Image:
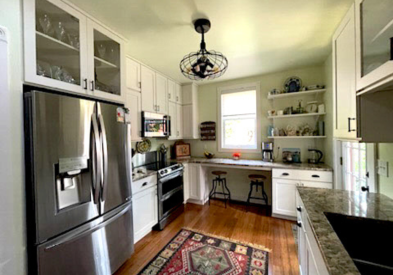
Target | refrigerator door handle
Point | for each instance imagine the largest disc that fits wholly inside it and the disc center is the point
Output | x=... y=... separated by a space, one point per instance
x=96 y=159
x=88 y=231
x=128 y=149
x=105 y=157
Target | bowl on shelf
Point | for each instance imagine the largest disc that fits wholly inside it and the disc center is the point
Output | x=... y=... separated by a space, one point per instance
x=208 y=155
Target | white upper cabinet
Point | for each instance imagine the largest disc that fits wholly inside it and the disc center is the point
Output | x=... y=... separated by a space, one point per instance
x=179 y=94
x=171 y=91
x=53 y=57
x=133 y=75
x=344 y=78
x=60 y=51
x=161 y=94
x=179 y=121
x=133 y=103
x=374 y=50
x=190 y=112
x=106 y=63
x=148 y=90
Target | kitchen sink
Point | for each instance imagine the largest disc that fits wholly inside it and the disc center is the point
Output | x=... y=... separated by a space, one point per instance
x=369 y=242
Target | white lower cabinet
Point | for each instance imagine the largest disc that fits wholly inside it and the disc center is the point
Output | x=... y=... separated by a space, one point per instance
x=198 y=191
x=284 y=188
x=310 y=258
x=145 y=207
x=186 y=183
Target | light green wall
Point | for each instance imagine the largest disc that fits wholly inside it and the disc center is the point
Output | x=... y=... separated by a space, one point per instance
x=385 y=184
x=328 y=98
x=207 y=95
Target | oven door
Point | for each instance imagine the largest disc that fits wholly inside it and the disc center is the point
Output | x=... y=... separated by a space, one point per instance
x=170 y=193
x=155 y=125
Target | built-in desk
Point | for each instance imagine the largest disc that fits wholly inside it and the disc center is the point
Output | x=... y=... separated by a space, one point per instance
x=281 y=180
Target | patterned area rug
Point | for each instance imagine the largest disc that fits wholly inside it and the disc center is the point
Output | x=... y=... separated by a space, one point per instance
x=194 y=253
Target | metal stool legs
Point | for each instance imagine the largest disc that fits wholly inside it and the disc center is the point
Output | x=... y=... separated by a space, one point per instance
x=264 y=195
x=225 y=191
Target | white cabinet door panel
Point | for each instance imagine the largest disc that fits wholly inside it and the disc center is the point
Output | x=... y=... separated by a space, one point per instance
x=284 y=197
x=344 y=77
x=133 y=103
x=179 y=122
x=133 y=75
x=171 y=91
x=145 y=212
x=148 y=79
x=161 y=94
x=194 y=181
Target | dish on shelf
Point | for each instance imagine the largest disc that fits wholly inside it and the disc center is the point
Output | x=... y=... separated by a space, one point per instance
x=293 y=84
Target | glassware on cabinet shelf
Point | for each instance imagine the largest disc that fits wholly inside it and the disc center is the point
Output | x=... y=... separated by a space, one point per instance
x=57 y=43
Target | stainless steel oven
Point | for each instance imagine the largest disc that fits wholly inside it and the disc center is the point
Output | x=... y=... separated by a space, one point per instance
x=155 y=125
x=170 y=194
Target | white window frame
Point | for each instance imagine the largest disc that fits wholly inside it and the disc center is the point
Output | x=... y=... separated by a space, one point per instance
x=233 y=89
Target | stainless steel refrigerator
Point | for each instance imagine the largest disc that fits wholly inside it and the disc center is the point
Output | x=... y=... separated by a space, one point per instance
x=78 y=185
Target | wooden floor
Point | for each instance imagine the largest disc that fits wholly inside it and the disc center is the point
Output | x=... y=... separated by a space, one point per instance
x=233 y=222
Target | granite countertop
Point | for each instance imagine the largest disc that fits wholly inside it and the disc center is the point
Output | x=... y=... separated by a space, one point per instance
x=260 y=163
x=359 y=204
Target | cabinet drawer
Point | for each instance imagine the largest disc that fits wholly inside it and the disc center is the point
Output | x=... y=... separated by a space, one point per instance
x=307 y=175
x=143 y=184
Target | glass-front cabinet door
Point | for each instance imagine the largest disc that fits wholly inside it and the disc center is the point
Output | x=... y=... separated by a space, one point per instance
x=55 y=45
x=105 y=62
x=375 y=41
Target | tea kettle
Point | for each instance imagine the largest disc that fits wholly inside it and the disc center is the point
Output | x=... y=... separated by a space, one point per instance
x=315 y=156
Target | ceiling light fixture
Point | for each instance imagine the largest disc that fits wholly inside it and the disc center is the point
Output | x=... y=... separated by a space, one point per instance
x=203 y=64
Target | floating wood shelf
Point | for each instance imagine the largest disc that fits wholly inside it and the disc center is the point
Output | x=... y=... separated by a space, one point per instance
x=295 y=137
x=297 y=115
x=296 y=94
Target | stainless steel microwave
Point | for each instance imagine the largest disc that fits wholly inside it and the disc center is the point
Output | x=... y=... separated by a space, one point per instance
x=155 y=125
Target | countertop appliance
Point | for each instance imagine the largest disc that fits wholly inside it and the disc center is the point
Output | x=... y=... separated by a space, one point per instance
x=78 y=185
x=155 y=125
x=267 y=151
x=315 y=156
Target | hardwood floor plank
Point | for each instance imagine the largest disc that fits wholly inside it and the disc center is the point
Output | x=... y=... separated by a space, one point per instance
x=232 y=222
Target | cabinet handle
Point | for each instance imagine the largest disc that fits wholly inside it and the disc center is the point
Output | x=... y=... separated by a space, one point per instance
x=315 y=176
x=158 y=108
x=92 y=85
x=285 y=174
x=349 y=125
x=177 y=99
x=144 y=184
x=299 y=224
x=139 y=84
x=169 y=96
x=85 y=83
x=299 y=209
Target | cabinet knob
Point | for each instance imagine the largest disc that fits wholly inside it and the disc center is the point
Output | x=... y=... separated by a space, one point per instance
x=144 y=184
x=299 y=224
x=299 y=209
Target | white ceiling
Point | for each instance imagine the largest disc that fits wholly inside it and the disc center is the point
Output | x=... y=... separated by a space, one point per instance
x=257 y=36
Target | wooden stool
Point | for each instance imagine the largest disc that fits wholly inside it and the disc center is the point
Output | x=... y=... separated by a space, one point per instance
x=257 y=180
x=221 y=182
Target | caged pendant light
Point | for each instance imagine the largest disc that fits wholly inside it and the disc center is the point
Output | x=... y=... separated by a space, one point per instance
x=203 y=64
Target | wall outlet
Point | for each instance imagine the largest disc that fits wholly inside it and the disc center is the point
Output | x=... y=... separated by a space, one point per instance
x=383 y=168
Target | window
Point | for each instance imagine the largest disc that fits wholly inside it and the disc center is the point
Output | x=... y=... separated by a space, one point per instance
x=238 y=119
x=354 y=165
